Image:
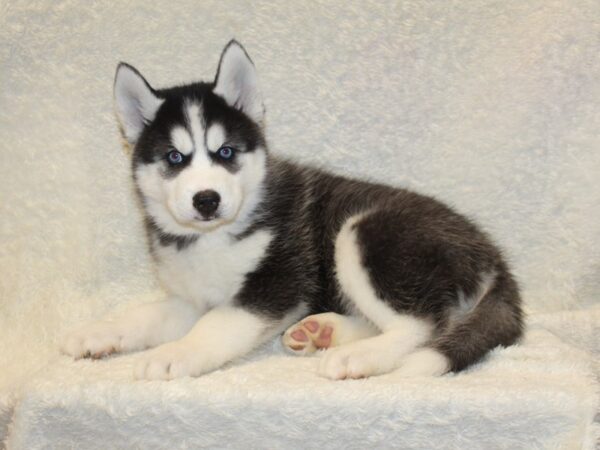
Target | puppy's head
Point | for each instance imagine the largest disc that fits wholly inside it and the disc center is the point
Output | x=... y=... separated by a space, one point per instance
x=199 y=155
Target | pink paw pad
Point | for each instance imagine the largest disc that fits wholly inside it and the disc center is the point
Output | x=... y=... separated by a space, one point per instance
x=300 y=335
x=309 y=336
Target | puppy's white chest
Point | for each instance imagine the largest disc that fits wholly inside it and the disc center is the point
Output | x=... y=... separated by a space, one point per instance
x=212 y=270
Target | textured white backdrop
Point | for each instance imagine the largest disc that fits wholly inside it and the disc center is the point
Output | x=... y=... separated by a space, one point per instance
x=491 y=106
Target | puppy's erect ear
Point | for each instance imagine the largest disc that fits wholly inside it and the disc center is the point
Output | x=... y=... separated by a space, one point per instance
x=237 y=82
x=136 y=101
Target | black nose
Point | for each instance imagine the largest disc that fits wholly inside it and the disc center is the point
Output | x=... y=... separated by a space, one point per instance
x=206 y=202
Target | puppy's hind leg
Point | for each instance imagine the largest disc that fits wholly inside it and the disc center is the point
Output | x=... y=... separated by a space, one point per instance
x=402 y=333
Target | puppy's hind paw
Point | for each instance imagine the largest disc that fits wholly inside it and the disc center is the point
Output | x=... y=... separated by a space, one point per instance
x=313 y=333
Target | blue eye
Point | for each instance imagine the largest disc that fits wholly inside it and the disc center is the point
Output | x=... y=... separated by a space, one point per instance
x=226 y=152
x=174 y=157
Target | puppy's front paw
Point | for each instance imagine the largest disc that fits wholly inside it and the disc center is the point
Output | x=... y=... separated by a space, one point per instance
x=95 y=341
x=169 y=361
x=100 y=339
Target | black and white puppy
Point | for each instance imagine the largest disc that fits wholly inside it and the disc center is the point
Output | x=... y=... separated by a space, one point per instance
x=249 y=246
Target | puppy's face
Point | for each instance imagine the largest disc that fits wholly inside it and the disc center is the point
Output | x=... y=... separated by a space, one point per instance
x=200 y=156
x=198 y=163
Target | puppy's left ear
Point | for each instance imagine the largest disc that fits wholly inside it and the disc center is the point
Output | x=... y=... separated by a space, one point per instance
x=237 y=82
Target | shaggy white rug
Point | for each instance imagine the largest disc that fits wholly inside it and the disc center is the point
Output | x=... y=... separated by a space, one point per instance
x=491 y=106
x=541 y=394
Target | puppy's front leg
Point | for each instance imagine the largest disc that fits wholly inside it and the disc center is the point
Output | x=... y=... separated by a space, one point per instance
x=220 y=336
x=139 y=328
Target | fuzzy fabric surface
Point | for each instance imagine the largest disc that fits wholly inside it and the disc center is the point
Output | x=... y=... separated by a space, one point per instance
x=538 y=395
x=493 y=107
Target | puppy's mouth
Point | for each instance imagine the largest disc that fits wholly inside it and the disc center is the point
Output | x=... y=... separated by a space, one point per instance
x=204 y=223
x=212 y=217
x=209 y=223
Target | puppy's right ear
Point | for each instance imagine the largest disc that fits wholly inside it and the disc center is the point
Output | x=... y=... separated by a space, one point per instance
x=136 y=101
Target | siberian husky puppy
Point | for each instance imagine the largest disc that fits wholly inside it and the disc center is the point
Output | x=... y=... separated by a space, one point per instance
x=248 y=246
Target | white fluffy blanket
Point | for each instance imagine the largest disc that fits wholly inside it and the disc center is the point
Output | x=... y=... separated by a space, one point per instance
x=541 y=394
x=491 y=106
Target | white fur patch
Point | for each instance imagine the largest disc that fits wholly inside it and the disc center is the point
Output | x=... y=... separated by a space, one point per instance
x=181 y=140
x=425 y=362
x=196 y=125
x=215 y=137
x=251 y=178
x=212 y=270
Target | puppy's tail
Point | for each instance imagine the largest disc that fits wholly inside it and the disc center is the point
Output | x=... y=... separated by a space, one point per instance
x=496 y=319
